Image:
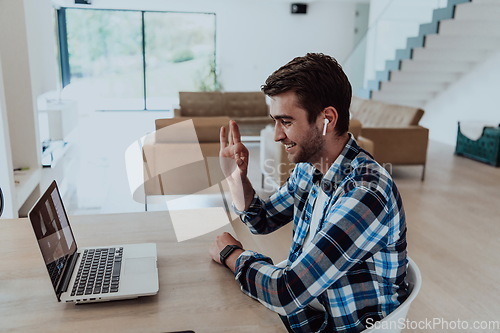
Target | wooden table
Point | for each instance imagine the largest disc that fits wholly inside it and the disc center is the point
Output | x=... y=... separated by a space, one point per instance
x=195 y=293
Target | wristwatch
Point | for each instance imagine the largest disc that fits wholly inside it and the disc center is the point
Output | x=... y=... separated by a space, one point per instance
x=226 y=252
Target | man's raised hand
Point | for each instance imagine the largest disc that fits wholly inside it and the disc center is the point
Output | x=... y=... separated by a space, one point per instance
x=233 y=154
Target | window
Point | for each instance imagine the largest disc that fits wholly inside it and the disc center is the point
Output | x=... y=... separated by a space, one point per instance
x=180 y=54
x=136 y=60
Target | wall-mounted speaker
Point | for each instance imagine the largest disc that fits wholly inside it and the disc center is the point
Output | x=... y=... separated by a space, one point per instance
x=83 y=2
x=299 y=8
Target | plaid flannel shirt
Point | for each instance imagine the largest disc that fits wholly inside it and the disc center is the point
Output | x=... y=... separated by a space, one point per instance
x=356 y=264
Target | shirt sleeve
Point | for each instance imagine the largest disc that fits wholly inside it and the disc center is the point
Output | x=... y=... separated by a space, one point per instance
x=266 y=216
x=355 y=227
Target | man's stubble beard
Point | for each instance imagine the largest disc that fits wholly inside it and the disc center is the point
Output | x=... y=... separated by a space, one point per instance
x=311 y=150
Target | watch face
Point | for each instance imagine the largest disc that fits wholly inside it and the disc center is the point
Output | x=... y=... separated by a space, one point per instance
x=226 y=251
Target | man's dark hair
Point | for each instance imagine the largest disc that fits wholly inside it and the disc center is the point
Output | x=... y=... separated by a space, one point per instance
x=319 y=82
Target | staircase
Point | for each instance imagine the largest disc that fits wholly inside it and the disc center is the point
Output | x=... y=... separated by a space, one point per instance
x=459 y=37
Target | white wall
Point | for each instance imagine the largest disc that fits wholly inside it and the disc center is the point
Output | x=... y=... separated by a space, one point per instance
x=17 y=82
x=29 y=59
x=29 y=68
x=255 y=37
x=6 y=175
x=42 y=45
x=267 y=36
x=475 y=96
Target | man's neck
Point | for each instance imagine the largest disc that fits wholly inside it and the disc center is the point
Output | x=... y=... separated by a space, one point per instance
x=331 y=153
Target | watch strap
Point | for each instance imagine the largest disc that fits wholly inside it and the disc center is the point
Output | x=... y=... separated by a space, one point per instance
x=226 y=252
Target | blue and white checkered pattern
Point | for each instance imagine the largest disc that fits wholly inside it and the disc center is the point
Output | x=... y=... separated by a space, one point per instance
x=356 y=264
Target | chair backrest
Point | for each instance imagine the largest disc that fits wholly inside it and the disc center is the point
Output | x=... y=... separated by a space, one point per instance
x=379 y=114
x=245 y=104
x=207 y=130
x=392 y=323
x=201 y=103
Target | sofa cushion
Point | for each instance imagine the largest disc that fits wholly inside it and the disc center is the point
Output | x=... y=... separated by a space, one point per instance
x=378 y=114
x=245 y=104
x=201 y=104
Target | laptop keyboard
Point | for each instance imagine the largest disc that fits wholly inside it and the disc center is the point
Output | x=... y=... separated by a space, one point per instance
x=99 y=272
x=55 y=267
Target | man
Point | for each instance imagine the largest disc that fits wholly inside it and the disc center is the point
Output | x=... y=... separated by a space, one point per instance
x=347 y=261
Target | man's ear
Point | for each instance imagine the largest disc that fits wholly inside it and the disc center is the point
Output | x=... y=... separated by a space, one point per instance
x=332 y=115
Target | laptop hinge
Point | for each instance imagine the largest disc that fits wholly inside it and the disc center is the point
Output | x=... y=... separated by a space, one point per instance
x=63 y=286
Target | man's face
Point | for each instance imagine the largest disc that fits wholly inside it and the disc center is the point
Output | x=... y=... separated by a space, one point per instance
x=303 y=141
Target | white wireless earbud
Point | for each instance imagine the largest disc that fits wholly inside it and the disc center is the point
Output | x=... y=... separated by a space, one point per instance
x=326 y=121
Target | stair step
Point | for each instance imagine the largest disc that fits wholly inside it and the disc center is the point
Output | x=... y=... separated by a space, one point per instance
x=442 y=14
x=412 y=87
x=393 y=65
x=408 y=95
x=383 y=75
x=469 y=28
x=423 y=77
x=363 y=93
x=402 y=98
x=414 y=42
x=465 y=54
x=373 y=85
x=456 y=2
x=402 y=101
x=478 y=11
x=436 y=66
x=402 y=54
x=405 y=99
x=485 y=1
x=428 y=29
x=462 y=42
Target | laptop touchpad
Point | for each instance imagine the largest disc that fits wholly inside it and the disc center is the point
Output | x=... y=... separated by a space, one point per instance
x=140 y=265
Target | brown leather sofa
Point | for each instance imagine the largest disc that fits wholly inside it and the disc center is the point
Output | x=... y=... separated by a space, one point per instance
x=249 y=109
x=394 y=130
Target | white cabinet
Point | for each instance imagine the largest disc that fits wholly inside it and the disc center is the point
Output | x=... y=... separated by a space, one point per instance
x=58 y=121
x=61 y=116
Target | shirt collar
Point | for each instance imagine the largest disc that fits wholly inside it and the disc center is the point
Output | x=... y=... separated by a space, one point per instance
x=340 y=168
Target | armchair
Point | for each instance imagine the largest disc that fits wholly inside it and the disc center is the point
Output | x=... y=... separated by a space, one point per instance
x=181 y=160
x=394 y=130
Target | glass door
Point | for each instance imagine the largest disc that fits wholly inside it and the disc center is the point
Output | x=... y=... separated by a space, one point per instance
x=105 y=57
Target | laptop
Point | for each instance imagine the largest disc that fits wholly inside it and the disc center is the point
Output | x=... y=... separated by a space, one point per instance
x=87 y=275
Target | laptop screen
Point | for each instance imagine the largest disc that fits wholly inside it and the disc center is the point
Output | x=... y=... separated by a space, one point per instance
x=53 y=233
